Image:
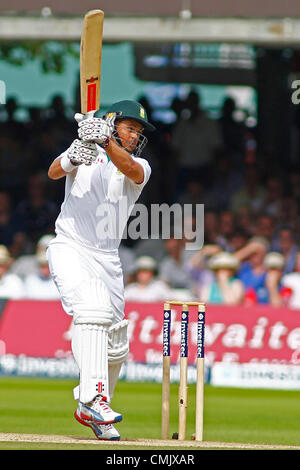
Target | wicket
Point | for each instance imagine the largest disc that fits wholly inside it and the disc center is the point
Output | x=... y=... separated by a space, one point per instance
x=183 y=389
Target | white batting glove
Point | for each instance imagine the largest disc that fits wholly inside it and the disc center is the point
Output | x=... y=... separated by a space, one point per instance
x=82 y=152
x=96 y=130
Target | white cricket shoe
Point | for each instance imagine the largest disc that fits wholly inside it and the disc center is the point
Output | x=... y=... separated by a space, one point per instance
x=104 y=432
x=99 y=412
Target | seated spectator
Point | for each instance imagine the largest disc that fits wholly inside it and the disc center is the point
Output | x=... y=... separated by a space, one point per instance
x=225 y=181
x=291 y=286
x=265 y=227
x=211 y=228
x=285 y=244
x=197 y=267
x=252 y=271
x=238 y=239
x=251 y=194
x=172 y=268
x=27 y=264
x=146 y=288
x=274 y=263
x=11 y=234
x=194 y=192
x=12 y=127
x=37 y=213
x=294 y=185
x=226 y=288
x=274 y=195
x=288 y=212
x=12 y=164
x=40 y=286
x=246 y=220
x=127 y=258
x=226 y=227
x=11 y=286
x=153 y=247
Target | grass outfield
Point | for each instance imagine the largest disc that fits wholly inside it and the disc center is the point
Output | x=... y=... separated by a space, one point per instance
x=46 y=407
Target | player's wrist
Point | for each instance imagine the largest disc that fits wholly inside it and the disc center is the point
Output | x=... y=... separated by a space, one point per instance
x=67 y=164
x=105 y=143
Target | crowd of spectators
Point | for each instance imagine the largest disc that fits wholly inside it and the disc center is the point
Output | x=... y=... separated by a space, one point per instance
x=251 y=250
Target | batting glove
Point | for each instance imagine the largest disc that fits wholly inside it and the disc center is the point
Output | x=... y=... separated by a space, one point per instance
x=97 y=130
x=82 y=152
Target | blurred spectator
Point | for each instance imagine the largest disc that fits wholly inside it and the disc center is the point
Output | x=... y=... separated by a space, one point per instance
x=212 y=235
x=265 y=227
x=274 y=263
x=194 y=141
x=294 y=186
x=246 y=219
x=233 y=132
x=238 y=239
x=28 y=264
x=57 y=123
x=11 y=234
x=252 y=271
x=146 y=288
x=274 y=194
x=12 y=164
x=128 y=262
x=218 y=228
x=57 y=133
x=285 y=244
x=251 y=194
x=226 y=288
x=36 y=213
x=41 y=149
x=155 y=248
x=12 y=128
x=227 y=228
x=40 y=285
x=177 y=107
x=225 y=181
x=172 y=268
x=11 y=286
x=194 y=193
x=288 y=212
x=35 y=123
x=198 y=270
x=291 y=286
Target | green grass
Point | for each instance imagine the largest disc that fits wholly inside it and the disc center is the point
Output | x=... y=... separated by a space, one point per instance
x=46 y=406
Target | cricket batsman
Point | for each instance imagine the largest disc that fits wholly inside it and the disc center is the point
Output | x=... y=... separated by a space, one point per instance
x=104 y=174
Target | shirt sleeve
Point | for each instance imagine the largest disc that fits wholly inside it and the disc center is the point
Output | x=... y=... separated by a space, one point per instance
x=147 y=172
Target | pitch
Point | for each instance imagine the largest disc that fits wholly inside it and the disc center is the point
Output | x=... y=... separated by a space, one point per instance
x=38 y=414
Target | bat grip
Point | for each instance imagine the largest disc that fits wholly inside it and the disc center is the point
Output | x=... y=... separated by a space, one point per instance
x=81 y=117
x=89 y=114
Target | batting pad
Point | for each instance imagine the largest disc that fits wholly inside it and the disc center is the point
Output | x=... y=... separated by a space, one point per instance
x=118 y=344
x=92 y=319
x=118 y=349
x=89 y=346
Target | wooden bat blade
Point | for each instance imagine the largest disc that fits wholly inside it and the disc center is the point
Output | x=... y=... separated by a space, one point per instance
x=90 y=60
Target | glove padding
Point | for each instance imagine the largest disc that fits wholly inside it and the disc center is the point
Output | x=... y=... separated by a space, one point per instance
x=82 y=152
x=97 y=130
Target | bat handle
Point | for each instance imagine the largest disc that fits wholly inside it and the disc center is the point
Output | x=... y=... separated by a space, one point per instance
x=80 y=117
x=89 y=114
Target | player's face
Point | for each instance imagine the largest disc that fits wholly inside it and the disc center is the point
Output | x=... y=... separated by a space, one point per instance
x=129 y=132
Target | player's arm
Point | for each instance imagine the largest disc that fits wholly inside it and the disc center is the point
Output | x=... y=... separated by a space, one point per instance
x=56 y=171
x=77 y=154
x=124 y=162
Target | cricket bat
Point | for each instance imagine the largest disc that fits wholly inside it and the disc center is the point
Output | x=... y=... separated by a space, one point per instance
x=90 y=61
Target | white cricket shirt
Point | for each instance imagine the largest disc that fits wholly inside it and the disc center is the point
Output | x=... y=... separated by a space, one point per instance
x=98 y=202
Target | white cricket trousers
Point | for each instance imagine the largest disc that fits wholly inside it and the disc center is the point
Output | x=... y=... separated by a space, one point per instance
x=71 y=263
